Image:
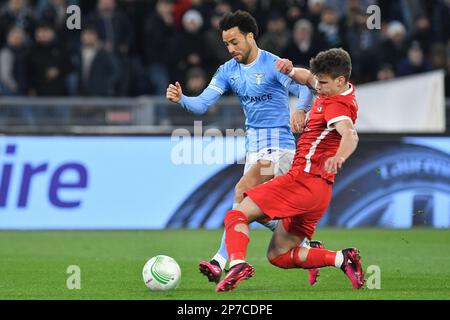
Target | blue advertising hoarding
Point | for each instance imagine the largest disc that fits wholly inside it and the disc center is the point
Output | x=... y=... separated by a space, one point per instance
x=93 y=182
x=156 y=182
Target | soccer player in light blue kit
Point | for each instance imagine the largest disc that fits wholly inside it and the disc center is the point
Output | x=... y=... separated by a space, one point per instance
x=264 y=94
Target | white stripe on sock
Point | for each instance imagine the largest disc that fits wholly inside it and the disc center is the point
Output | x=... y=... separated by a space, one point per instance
x=221 y=260
x=339 y=260
x=235 y=262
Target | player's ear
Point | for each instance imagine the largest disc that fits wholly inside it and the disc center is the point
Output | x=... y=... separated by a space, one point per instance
x=340 y=81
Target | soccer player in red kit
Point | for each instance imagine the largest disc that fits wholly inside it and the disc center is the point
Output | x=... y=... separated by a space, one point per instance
x=300 y=197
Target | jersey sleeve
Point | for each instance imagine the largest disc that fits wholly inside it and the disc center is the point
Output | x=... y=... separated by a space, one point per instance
x=201 y=103
x=304 y=95
x=336 y=112
x=216 y=88
x=283 y=79
x=302 y=92
x=219 y=81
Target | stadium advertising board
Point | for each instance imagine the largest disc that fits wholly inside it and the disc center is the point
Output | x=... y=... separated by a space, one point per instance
x=157 y=182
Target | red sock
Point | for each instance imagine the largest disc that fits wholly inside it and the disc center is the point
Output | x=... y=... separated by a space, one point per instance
x=235 y=241
x=316 y=258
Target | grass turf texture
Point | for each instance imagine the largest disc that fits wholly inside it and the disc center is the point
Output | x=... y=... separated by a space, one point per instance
x=415 y=264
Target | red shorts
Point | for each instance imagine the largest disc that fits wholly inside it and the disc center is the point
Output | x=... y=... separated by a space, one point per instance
x=299 y=198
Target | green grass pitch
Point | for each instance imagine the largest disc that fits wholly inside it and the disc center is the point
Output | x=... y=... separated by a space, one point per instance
x=414 y=264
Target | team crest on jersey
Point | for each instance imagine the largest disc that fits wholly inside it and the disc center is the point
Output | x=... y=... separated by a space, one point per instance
x=319 y=108
x=258 y=77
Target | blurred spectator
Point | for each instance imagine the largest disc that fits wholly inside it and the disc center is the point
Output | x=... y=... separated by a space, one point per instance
x=352 y=15
x=15 y=13
x=258 y=9
x=423 y=33
x=196 y=81
x=360 y=42
x=386 y=72
x=97 y=70
x=394 y=47
x=215 y=51
x=54 y=13
x=343 y=7
x=329 y=26
x=414 y=63
x=292 y=10
x=13 y=70
x=296 y=29
x=205 y=8
x=438 y=56
x=113 y=27
x=277 y=36
x=187 y=46
x=49 y=64
x=394 y=11
x=158 y=33
x=222 y=7
x=305 y=43
x=136 y=12
x=179 y=9
x=315 y=10
x=441 y=20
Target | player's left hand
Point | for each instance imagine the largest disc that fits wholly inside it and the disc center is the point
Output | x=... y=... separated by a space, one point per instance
x=298 y=119
x=333 y=164
x=284 y=65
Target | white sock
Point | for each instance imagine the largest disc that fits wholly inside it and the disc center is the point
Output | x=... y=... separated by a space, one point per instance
x=221 y=260
x=339 y=260
x=235 y=205
x=235 y=262
x=305 y=243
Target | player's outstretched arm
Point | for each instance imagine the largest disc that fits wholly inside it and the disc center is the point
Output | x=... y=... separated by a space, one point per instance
x=300 y=75
x=174 y=92
x=349 y=142
x=199 y=104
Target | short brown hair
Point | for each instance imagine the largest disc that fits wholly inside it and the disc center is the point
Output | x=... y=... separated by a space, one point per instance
x=335 y=62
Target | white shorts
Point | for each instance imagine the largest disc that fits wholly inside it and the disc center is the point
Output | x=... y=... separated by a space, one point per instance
x=282 y=159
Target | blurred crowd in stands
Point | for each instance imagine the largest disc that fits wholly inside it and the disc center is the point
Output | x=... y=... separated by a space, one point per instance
x=128 y=48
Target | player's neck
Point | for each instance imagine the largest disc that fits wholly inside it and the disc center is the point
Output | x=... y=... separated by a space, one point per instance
x=253 y=55
x=343 y=89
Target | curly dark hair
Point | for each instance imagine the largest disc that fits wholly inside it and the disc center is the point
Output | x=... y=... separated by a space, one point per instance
x=335 y=62
x=241 y=19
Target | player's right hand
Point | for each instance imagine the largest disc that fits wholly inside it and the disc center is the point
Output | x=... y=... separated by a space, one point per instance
x=333 y=164
x=174 y=92
x=284 y=65
x=298 y=120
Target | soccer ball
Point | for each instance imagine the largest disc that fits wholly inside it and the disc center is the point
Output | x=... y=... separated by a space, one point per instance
x=161 y=273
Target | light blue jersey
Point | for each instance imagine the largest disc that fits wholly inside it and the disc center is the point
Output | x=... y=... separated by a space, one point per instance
x=264 y=94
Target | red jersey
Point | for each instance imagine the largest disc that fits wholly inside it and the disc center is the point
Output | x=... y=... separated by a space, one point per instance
x=320 y=140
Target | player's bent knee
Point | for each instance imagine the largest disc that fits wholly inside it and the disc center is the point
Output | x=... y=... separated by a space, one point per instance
x=244 y=185
x=272 y=253
x=239 y=190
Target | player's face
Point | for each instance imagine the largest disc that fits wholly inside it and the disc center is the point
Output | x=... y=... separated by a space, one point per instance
x=238 y=45
x=327 y=86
